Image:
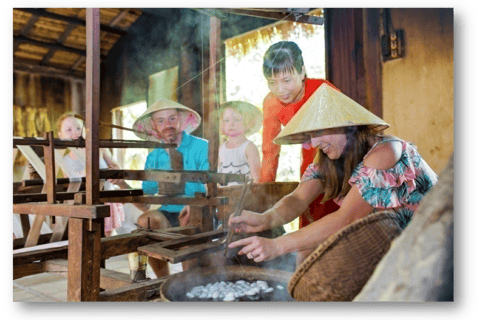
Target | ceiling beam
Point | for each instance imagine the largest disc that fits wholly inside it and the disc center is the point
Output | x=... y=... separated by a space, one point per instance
x=112 y=23
x=55 y=46
x=60 y=40
x=23 y=65
x=25 y=30
x=293 y=16
x=78 y=21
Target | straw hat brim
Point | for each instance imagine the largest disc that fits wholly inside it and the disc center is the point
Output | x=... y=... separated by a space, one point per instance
x=327 y=108
x=247 y=108
x=189 y=119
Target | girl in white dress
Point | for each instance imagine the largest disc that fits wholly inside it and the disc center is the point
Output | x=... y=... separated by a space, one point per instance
x=238 y=154
x=70 y=128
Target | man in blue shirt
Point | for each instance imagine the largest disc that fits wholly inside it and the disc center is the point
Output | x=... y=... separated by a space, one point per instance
x=170 y=122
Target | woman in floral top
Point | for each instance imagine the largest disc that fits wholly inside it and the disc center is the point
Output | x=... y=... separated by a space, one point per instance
x=358 y=168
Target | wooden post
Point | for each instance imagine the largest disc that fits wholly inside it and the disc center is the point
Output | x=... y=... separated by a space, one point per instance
x=83 y=259
x=49 y=155
x=84 y=235
x=92 y=107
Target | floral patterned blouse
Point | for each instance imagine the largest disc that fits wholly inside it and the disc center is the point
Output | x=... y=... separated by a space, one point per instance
x=399 y=188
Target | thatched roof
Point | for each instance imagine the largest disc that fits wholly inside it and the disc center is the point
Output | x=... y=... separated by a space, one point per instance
x=55 y=38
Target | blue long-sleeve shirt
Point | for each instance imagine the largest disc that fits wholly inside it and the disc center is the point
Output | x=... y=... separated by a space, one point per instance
x=195 y=157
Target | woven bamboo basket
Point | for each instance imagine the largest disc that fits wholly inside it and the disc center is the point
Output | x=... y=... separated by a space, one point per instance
x=339 y=268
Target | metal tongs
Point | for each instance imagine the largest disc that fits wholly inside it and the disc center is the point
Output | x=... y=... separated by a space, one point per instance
x=246 y=188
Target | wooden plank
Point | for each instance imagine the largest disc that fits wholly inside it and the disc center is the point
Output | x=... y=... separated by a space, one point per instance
x=59 y=143
x=57 y=250
x=70 y=194
x=84 y=260
x=92 y=109
x=126 y=243
x=25 y=270
x=195 y=201
x=174 y=250
x=77 y=211
x=110 y=247
x=175 y=256
x=109 y=279
x=123 y=244
x=34 y=233
x=34 y=160
x=134 y=292
x=172 y=176
x=43 y=239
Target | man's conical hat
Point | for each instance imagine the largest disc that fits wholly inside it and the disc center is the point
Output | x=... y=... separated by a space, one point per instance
x=327 y=108
x=189 y=119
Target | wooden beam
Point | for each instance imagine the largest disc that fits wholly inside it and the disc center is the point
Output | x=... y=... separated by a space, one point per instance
x=23 y=65
x=109 y=279
x=78 y=21
x=62 y=196
x=193 y=201
x=31 y=22
x=134 y=292
x=110 y=246
x=284 y=16
x=25 y=270
x=80 y=143
x=51 y=45
x=84 y=258
x=64 y=210
x=49 y=251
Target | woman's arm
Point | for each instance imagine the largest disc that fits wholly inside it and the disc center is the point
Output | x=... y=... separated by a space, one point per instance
x=253 y=159
x=308 y=238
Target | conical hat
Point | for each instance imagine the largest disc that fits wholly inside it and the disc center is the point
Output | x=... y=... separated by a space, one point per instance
x=189 y=119
x=327 y=108
x=246 y=108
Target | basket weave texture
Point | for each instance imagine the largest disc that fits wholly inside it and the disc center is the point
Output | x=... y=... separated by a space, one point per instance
x=339 y=268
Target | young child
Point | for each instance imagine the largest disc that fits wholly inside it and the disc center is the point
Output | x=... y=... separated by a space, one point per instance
x=237 y=154
x=69 y=127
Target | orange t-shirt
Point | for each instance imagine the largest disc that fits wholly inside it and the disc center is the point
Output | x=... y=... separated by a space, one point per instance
x=276 y=114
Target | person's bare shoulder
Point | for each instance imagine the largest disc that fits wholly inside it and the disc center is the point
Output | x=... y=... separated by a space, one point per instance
x=384 y=155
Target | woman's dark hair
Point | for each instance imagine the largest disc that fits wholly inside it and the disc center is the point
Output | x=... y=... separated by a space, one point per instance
x=282 y=57
x=336 y=173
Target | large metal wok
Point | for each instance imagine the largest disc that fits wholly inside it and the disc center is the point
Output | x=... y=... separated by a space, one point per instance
x=176 y=287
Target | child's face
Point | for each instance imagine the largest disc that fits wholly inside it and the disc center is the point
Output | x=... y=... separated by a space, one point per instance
x=232 y=123
x=71 y=129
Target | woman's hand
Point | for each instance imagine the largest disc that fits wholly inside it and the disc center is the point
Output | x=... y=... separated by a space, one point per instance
x=249 y=222
x=257 y=248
